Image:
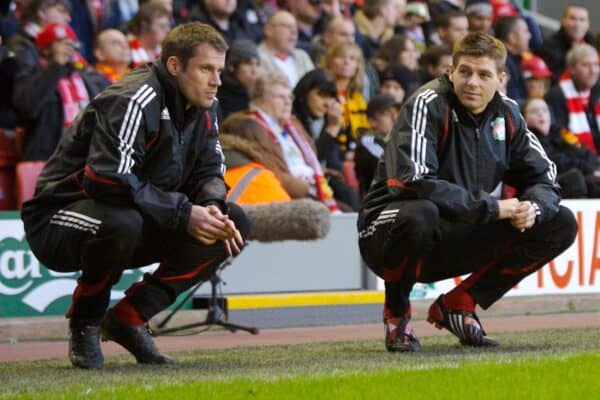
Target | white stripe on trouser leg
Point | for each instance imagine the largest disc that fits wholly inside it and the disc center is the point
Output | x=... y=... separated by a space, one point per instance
x=81 y=216
x=75 y=221
x=74 y=225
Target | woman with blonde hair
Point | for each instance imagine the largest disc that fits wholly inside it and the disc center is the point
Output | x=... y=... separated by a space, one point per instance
x=345 y=63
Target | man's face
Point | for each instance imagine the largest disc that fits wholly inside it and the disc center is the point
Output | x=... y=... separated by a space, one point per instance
x=475 y=80
x=247 y=72
x=113 y=48
x=199 y=81
x=522 y=36
x=537 y=87
x=537 y=115
x=159 y=28
x=306 y=11
x=458 y=28
x=390 y=12
x=56 y=13
x=392 y=88
x=221 y=8
x=442 y=67
x=281 y=33
x=383 y=121
x=480 y=23
x=585 y=72
x=342 y=30
x=576 y=23
x=277 y=102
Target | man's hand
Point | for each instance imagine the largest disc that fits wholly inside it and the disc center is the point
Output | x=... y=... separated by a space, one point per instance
x=524 y=216
x=209 y=224
x=507 y=208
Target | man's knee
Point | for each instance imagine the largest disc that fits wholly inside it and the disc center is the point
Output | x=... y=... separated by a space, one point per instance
x=417 y=222
x=116 y=241
x=565 y=227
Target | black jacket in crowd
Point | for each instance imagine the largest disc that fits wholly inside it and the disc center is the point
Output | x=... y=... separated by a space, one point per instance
x=369 y=148
x=138 y=145
x=232 y=95
x=441 y=152
x=566 y=155
x=554 y=51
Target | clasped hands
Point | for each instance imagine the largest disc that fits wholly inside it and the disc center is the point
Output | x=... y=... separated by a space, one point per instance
x=208 y=225
x=520 y=213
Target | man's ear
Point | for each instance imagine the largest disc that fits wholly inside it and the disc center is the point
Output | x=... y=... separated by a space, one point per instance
x=502 y=77
x=174 y=66
x=99 y=55
x=450 y=71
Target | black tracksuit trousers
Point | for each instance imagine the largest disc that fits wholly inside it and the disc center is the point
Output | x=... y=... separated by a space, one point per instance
x=409 y=242
x=102 y=240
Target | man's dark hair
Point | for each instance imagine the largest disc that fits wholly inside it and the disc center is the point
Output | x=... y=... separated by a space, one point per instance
x=573 y=5
x=477 y=44
x=433 y=54
x=33 y=6
x=372 y=7
x=182 y=41
x=142 y=20
x=444 y=20
x=504 y=26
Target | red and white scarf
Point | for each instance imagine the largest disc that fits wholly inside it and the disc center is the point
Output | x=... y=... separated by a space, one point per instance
x=577 y=104
x=74 y=97
x=323 y=190
x=139 y=55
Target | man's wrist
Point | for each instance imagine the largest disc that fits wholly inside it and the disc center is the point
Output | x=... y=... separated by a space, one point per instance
x=538 y=211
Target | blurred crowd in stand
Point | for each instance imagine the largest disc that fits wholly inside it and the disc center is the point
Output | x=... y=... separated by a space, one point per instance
x=310 y=88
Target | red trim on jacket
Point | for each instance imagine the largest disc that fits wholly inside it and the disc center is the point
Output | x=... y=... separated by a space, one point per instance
x=397 y=183
x=95 y=177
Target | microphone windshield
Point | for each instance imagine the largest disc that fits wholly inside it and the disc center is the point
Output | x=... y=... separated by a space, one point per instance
x=299 y=219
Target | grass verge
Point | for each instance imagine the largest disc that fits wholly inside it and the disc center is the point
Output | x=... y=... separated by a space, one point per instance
x=537 y=364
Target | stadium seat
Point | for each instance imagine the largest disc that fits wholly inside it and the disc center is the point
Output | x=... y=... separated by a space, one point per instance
x=27 y=174
x=349 y=174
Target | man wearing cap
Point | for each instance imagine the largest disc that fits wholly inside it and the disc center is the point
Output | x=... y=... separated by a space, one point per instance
x=431 y=213
x=49 y=96
x=536 y=74
x=138 y=179
x=36 y=15
x=381 y=112
x=241 y=68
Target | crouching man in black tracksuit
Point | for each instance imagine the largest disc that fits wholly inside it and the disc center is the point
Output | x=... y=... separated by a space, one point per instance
x=430 y=213
x=138 y=179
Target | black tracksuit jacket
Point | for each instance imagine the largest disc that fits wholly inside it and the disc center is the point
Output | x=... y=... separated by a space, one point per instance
x=137 y=144
x=439 y=151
